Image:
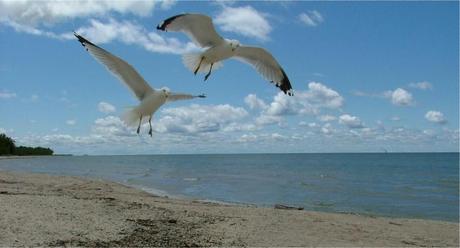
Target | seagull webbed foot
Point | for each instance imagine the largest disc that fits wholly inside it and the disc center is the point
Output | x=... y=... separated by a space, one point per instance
x=198 y=67
x=209 y=73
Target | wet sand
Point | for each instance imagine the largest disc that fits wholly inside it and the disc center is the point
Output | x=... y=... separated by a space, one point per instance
x=44 y=210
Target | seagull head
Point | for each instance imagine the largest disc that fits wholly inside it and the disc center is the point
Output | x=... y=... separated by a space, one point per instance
x=165 y=91
x=234 y=44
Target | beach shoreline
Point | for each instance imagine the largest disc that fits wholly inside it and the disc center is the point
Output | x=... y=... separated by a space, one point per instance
x=45 y=210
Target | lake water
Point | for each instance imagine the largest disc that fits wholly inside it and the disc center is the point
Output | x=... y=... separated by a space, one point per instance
x=412 y=185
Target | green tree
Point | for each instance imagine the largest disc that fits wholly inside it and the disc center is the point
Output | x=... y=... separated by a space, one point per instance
x=7 y=146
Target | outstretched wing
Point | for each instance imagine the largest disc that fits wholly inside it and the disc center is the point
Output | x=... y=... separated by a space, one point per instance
x=199 y=28
x=122 y=70
x=179 y=96
x=266 y=65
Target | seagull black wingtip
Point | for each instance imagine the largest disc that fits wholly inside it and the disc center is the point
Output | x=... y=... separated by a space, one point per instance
x=162 y=26
x=286 y=84
x=82 y=40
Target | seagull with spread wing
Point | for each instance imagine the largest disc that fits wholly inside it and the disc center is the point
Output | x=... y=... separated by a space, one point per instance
x=150 y=99
x=200 y=29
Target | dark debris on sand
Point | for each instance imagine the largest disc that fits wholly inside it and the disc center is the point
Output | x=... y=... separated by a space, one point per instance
x=167 y=232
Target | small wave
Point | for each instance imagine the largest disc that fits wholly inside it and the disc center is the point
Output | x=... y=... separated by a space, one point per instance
x=190 y=179
x=157 y=192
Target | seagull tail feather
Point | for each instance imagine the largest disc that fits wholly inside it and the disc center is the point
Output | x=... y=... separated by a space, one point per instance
x=192 y=60
x=131 y=116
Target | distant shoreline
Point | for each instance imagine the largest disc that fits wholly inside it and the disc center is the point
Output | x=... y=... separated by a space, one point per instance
x=33 y=156
x=217 y=154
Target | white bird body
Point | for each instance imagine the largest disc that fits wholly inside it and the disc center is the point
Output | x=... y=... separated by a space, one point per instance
x=150 y=99
x=219 y=52
x=147 y=107
x=200 y=30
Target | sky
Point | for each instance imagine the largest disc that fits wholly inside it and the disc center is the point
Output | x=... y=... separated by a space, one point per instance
x=367 y=77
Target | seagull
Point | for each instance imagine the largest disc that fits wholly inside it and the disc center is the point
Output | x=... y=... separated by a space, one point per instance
x=150 y=99
x=200 y=29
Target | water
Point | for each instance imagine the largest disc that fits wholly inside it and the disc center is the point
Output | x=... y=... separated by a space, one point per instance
x=411 y=185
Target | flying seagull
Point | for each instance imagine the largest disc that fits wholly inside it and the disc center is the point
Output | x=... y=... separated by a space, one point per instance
x=200 y=29
x=150 y=98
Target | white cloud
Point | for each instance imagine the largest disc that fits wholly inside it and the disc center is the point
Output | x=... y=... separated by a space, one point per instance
x=27 y=17
x=306 y=102
x=285 y=105
x=264 y=119
x=196 y=118
x=350 y=121
x=132 y=33
x=312 y=18
x=71 y=122
x=424 y=85
x=22 y=28
x=106 y=108
x=4 y=94
x=400 y=97
x=245 y=21
x=322 y=96
x=254 y=103
x=247 y=138
x=34 y=13
x=435 y=116
x=395 y=118
x=326 y=118
x=111 y=126
x=327 y=129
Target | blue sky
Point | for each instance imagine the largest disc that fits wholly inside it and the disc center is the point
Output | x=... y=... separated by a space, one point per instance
x=368 y=77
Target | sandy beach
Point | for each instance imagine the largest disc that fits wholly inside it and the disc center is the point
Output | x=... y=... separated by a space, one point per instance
x=44 y=210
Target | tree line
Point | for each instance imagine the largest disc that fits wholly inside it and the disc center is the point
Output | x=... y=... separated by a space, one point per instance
x=8 y=147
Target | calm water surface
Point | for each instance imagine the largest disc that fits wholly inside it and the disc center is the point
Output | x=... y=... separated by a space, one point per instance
x=412 y=185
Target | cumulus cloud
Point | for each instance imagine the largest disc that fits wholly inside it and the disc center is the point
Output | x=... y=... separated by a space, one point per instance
x=424 y=85
x=4 y=94
x=196 y=118
x=400 y=97
x=322 y=96
x=435 y=116
x=326 y=118
x=254 y=103
x=28 y=17
x=245 y=21
x=111 y=126
x=306 y=102
x=350 y=121
x=264 y=120
x=287 y=105
x=106 y=107
x=133 y=33
x=312 y=18
x=34 y=13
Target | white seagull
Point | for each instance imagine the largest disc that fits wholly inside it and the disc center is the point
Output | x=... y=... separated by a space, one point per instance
x=200 y=29
x=150 y=99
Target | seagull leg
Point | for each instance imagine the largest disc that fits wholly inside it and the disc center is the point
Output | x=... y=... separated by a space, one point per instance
x=196 y=70
x=139 y=127
x=150 y=123
x=209 y=73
